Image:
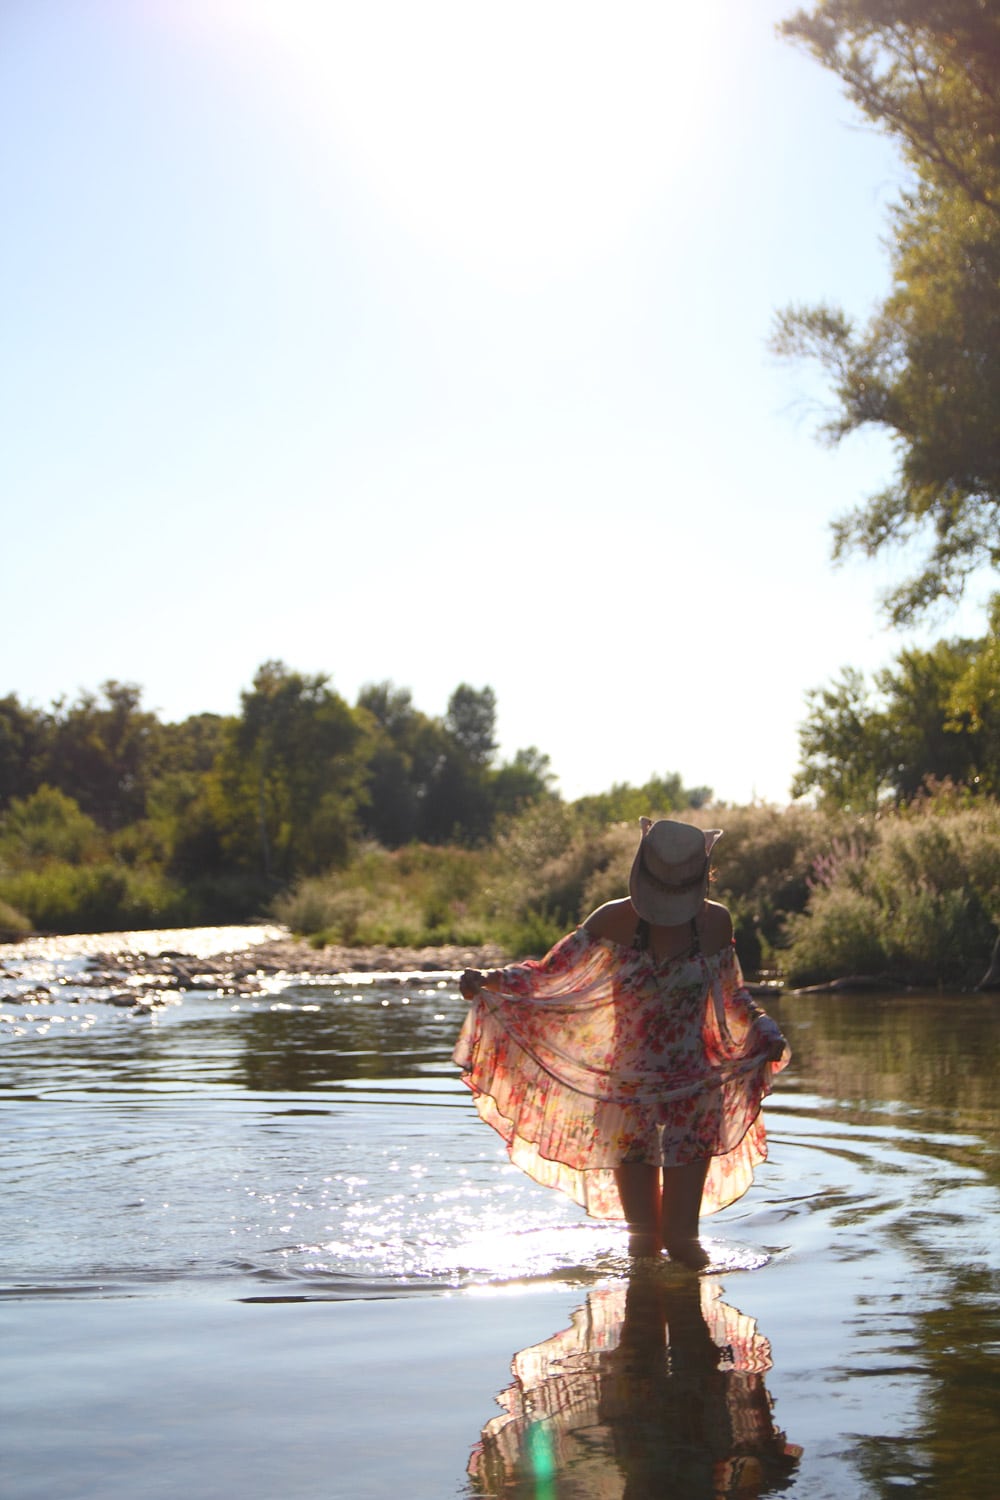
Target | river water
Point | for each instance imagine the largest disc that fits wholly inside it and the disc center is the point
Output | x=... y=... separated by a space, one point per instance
x=261 y=1245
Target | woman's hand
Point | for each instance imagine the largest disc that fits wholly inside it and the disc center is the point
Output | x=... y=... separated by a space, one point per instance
x=471 y=983
x=771 y=1037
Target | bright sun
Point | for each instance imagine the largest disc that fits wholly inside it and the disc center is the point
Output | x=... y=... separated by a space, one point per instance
x=511 y=137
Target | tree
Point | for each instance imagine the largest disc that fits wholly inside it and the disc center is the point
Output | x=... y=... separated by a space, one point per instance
x=519 y=782
x=24 y=742
x=934 y=717
x=390 y=706
x=103 y=752
x=48 y=825
x=390 y=811
x=975 y=703
x=471 y=721
x=289 y=781
x=926 y=367
x=845 y=744
x=625 y=803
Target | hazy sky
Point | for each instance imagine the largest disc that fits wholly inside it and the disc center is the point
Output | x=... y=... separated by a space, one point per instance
x=427 y=341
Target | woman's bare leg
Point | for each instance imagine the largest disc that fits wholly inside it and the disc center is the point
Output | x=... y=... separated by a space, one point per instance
x=639 y=1190
x=679 y=1209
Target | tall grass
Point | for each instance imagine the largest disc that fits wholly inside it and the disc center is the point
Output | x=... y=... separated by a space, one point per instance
x=418 y=896
x=920 y=902
x=93 y=898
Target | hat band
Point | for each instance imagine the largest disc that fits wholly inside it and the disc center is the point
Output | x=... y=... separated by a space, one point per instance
x=673 y=888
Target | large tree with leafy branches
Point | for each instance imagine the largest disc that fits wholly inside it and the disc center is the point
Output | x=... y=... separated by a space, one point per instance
x=925 y=368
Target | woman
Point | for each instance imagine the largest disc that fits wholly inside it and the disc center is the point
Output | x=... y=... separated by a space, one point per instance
x=627 y=1067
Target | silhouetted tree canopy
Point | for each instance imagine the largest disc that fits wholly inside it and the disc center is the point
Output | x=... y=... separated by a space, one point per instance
x=925 y=367
x=932 y=717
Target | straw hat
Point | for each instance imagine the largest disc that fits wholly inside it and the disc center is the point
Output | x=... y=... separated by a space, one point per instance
x=669 y=878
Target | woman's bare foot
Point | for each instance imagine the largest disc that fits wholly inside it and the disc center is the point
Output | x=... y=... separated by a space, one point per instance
x=687 y=1253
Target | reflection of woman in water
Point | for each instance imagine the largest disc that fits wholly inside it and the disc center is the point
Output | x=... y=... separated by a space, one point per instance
x=628 y=1066
x=657 y=1389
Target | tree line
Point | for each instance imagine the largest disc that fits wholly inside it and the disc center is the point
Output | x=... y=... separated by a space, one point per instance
x=106 y=809
x=284 y=786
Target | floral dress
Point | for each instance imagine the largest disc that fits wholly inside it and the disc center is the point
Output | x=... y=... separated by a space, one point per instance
x=599 y=1055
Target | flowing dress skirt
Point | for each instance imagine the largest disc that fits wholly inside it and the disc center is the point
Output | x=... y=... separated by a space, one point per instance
x=597 y=1055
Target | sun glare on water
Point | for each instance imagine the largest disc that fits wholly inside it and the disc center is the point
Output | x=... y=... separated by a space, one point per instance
x=512 y=138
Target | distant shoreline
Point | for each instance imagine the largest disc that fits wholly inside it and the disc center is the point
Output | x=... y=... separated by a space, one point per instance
x=291 y=955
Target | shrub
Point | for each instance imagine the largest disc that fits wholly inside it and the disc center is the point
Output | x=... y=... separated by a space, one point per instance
x=411 y=897
x=547 y=862
x=14 y=925
x=94 y=898
x=839 y=936
x=920 y=898
x=532 y=936
x=48 y=825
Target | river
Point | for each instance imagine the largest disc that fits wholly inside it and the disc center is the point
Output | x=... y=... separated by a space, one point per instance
x=260 y=1244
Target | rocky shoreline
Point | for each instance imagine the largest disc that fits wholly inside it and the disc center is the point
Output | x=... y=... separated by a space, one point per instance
x=295 y=956
x=127 y=973
x=154 y=978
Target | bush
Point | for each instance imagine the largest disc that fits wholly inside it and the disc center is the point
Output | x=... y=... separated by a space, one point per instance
x=411 y=897
x=48 y=825
x=93 y=898
x=546 y=864
x=14 y=925
x=532 y=936
x=839 y=936
x=919 y=898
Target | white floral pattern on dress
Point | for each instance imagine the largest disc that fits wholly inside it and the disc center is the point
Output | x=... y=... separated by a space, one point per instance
x=596 y=1055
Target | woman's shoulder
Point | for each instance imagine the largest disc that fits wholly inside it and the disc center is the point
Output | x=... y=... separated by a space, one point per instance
x=615 y=920
x=715 y=928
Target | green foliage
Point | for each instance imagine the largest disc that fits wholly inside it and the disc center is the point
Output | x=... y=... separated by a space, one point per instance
x=94 y=898
x=286 y=785
x=934 y=717
x=839 y=937
x=420 y=895
x=765 y=864
x=103 y=751
x=974 y=705
x=47 y=825
x=237 y=808
x=433 y=781
x=517 y=783
x=277 y=800
x=24 y=737
x=471 y=722
x=14 y=925
x=920 y=900
x=544 y=858
x=657 y=798
x=846 y=745
x=926 y=367
x=532 y=935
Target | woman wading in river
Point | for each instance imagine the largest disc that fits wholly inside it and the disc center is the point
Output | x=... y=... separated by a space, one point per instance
x=627 y=1067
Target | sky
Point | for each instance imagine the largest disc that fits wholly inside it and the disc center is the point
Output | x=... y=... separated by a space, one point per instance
x=428 y=342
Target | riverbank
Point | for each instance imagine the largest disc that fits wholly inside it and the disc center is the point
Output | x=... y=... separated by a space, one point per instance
x=146 y=969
